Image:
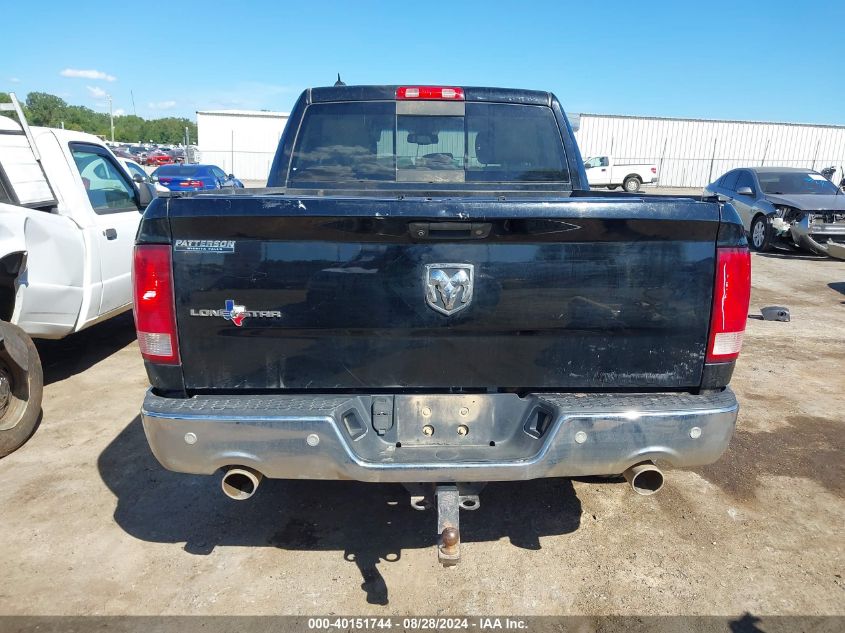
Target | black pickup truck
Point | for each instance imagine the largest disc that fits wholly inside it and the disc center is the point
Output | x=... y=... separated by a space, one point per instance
x=428 y=293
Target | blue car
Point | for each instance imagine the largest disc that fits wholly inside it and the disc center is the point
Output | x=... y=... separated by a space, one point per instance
x=194 y=177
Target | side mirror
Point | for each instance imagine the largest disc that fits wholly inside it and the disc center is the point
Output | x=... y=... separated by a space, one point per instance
x=745 y=191
x=587 y=166
x=146 y=193
x=138 y=178
x=231 y=176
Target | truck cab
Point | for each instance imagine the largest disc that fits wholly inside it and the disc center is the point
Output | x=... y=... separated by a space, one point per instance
x=68 y=213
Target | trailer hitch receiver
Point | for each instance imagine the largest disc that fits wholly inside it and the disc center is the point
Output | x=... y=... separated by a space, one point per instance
x=449 y=500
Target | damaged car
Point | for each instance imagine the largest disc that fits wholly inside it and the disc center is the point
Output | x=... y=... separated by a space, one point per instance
x=787 y=207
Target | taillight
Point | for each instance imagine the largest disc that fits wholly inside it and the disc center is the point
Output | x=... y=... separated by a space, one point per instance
x=430 y=93
x=155 y=310
x=731 y=296
x=191 y=183
x=654 y=170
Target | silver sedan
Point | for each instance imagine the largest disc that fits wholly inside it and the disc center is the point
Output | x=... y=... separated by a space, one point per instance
x=786 y=206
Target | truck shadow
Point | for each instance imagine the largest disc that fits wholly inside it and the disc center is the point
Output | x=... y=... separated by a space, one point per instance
x=368 y=523
x=72 y=355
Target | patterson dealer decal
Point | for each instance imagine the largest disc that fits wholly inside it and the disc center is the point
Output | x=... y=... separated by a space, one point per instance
x=205 y=246
x=235 y=313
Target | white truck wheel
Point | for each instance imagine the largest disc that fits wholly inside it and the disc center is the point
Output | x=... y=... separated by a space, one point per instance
x=21 y=387
x=631 y=184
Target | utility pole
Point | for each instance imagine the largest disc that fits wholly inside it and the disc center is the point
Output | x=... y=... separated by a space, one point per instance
x=662 y=156
x=111 y=118
x=712 y=160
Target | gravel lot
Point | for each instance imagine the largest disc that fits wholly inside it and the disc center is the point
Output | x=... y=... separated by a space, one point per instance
x=92 y=524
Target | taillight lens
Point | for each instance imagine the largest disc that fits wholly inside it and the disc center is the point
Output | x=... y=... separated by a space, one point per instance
x=430 y=93
x=155 y=310
x=654 y=170
x=191 y=183
x=731 y=296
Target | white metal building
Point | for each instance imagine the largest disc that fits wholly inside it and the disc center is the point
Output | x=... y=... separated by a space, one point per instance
x=694 y=152
x=241 y=142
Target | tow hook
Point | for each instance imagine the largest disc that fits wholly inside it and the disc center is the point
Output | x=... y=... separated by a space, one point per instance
x=449 y=502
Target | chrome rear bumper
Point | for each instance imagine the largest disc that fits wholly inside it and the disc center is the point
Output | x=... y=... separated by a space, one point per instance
x=505 y=437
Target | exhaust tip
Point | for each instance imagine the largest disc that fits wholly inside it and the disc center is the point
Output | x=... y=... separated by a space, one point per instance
x=240 y=482
x=645 y=479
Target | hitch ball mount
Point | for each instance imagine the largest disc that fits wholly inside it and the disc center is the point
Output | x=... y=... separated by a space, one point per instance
x=449 y=502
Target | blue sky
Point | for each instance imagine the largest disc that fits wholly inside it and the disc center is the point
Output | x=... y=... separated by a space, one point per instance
x=757 y=60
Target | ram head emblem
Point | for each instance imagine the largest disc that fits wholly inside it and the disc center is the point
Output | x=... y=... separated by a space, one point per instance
x=448 y=287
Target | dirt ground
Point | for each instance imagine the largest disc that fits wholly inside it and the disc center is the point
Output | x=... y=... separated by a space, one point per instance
x=91 y=524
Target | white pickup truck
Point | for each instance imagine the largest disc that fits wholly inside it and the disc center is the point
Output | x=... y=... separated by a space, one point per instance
x=603 y=171
x=68 y=217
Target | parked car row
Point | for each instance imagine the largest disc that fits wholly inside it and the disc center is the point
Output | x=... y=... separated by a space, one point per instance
x=161 y=155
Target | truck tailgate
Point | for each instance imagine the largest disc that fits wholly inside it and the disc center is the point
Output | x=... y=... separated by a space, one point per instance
x=278 y=292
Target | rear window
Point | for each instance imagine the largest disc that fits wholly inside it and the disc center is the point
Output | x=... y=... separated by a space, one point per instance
x=178 y=171
x=479 y=142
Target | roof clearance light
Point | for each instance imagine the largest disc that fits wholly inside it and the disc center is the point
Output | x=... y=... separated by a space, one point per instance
x=430 y=93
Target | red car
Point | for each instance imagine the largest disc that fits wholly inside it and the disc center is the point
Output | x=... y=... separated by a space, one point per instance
x=159 y=158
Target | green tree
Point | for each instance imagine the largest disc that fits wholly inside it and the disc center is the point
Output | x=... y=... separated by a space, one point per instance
x=49 y=110
x=129 y=128
x=85 y=119
x=45 y=109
